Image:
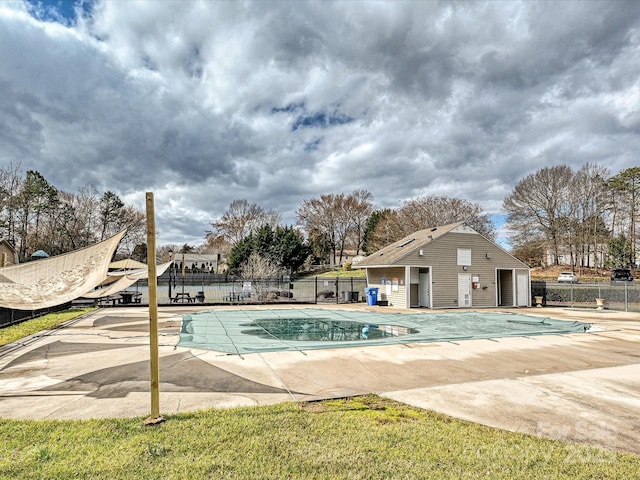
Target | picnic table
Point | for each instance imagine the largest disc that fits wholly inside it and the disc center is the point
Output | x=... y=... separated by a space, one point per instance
x=130 y=297
x=110 y=299
x=183 y=297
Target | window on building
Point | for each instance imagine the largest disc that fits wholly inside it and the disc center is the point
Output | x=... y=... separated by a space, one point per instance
x=464 y=256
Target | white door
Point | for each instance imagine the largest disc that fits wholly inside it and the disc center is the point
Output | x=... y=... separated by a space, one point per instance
x=523 y=291
x=464 y=289
x=424 y=290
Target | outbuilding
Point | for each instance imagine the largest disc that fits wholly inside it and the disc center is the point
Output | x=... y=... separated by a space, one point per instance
x=452 y=266
x=8 y=254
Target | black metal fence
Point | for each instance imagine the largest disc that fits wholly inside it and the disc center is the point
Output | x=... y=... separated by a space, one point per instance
x=624 y=296
x=10 y=317
x=220 y=290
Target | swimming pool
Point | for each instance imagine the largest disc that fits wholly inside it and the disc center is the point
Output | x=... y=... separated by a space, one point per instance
x=255 y=330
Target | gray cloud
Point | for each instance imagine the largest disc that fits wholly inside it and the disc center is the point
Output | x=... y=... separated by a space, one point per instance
x=279 y=102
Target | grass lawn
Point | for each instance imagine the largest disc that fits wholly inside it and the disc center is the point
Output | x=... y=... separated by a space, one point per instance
x=341 y=272
x=46 y=322
x=360 y=438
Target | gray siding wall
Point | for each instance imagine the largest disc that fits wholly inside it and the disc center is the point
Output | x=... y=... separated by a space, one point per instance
x=374 y=279
x=442 y=255
x=11 y=257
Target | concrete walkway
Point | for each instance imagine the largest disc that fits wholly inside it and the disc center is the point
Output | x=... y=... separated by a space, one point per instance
x=582 y=387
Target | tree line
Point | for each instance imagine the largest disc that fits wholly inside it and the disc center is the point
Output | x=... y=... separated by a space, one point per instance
x=35 y=215
x=556 y=215
x=329 y=226
x=583 y=218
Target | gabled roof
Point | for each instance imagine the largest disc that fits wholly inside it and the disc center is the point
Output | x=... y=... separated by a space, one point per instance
x=7 y=244
x=391 y=254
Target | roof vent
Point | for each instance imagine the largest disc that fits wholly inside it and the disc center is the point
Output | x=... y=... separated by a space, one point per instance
x=407 y=242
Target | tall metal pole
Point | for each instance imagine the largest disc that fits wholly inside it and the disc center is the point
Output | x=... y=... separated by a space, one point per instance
x=153 y=314
x=170 y=273
x=183 y=275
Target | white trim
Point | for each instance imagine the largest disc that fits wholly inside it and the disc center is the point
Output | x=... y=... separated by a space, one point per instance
x=407 y=287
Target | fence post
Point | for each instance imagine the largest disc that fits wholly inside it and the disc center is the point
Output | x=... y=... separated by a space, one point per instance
x=337 y=291
x=626 y=297
x=571 y=294
x=351 y=292
x=316 y=291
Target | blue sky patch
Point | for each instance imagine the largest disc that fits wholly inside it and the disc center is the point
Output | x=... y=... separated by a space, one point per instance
x=310 y=120
x=60 y=11
x=291 y=108
x=321 y=120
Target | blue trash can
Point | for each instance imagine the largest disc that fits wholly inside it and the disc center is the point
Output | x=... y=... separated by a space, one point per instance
x=372 y=295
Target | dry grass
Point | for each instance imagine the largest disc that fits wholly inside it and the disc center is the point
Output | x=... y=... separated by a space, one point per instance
x=584 y=274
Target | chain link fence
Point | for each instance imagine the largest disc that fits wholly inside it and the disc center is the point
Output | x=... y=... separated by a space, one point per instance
x=623 y=296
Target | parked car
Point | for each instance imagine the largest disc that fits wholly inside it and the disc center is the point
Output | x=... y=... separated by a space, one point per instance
x=621 y=275
x=568 y=277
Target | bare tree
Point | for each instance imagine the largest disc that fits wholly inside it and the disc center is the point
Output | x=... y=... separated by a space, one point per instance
x=36 y=215
x=626 y=186
x=259 y=271
x=433 y=210
x=539 y=204
x=429 y=211
x=239 y=221
x=358 y=208
x=134 y=221
x=590 y=204
x=319 y=216
x=76 y=221
x=336 y=220
x=11 y=182
x=565 y=209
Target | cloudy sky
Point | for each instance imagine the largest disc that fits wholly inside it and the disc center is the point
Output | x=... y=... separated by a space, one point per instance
x=205 y=102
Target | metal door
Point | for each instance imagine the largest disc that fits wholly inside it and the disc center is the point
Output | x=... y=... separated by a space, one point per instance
x=424 y=292
x=523 y=290
x=464 y=289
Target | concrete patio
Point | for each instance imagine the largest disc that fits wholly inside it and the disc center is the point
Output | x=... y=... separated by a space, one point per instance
x=580 y=387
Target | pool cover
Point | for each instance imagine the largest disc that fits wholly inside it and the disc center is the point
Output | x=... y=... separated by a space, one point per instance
x=234 y=331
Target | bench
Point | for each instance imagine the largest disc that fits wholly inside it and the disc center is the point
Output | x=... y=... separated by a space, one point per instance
x=233 y=297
